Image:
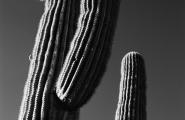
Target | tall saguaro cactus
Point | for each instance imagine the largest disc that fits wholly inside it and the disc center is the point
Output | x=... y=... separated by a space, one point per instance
x=132 y=94
x=69 y=57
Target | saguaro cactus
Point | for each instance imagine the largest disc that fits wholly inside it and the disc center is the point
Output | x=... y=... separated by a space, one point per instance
x=132 y=95
x=69 y=56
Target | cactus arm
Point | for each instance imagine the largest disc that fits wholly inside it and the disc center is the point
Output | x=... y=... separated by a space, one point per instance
x=69 y=57
x=82 y=56
x=87 y=59
x=132 y=94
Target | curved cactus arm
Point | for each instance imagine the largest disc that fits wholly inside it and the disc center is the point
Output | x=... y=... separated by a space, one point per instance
x=69 y=57
x=132 y=93
x=88 y=52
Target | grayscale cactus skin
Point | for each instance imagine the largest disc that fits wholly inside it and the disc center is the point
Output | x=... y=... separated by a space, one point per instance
x=132 y=93
x=69 y=57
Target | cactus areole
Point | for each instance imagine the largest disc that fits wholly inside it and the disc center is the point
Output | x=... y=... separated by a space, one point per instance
x=71 y=50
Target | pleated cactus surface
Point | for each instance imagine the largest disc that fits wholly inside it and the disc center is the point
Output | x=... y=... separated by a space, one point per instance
x=71 y=50
x=132 y=93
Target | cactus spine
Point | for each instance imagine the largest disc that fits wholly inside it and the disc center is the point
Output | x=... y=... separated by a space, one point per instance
x=132 y=95
x=69 y=56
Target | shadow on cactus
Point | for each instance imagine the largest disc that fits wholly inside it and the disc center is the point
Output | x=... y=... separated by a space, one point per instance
x=132 y=93
x=69 y=57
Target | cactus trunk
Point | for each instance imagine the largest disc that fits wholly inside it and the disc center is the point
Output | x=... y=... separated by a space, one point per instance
x=69 y=57
x=132 y=93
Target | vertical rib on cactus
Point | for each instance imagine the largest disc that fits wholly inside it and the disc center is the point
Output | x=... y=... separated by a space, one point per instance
x=69 y=57
x=132 y=93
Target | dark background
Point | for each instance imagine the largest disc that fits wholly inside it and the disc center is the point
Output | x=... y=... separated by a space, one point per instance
x=155 y=28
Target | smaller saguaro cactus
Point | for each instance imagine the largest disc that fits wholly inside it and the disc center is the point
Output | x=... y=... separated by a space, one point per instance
x=132 y=95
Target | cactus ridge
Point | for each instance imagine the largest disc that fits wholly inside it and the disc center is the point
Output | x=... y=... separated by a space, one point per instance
x=69 y=57
x=132 y=95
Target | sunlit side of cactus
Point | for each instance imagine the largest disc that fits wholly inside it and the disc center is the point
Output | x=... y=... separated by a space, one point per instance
x=132 y=93
x=69 y=57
